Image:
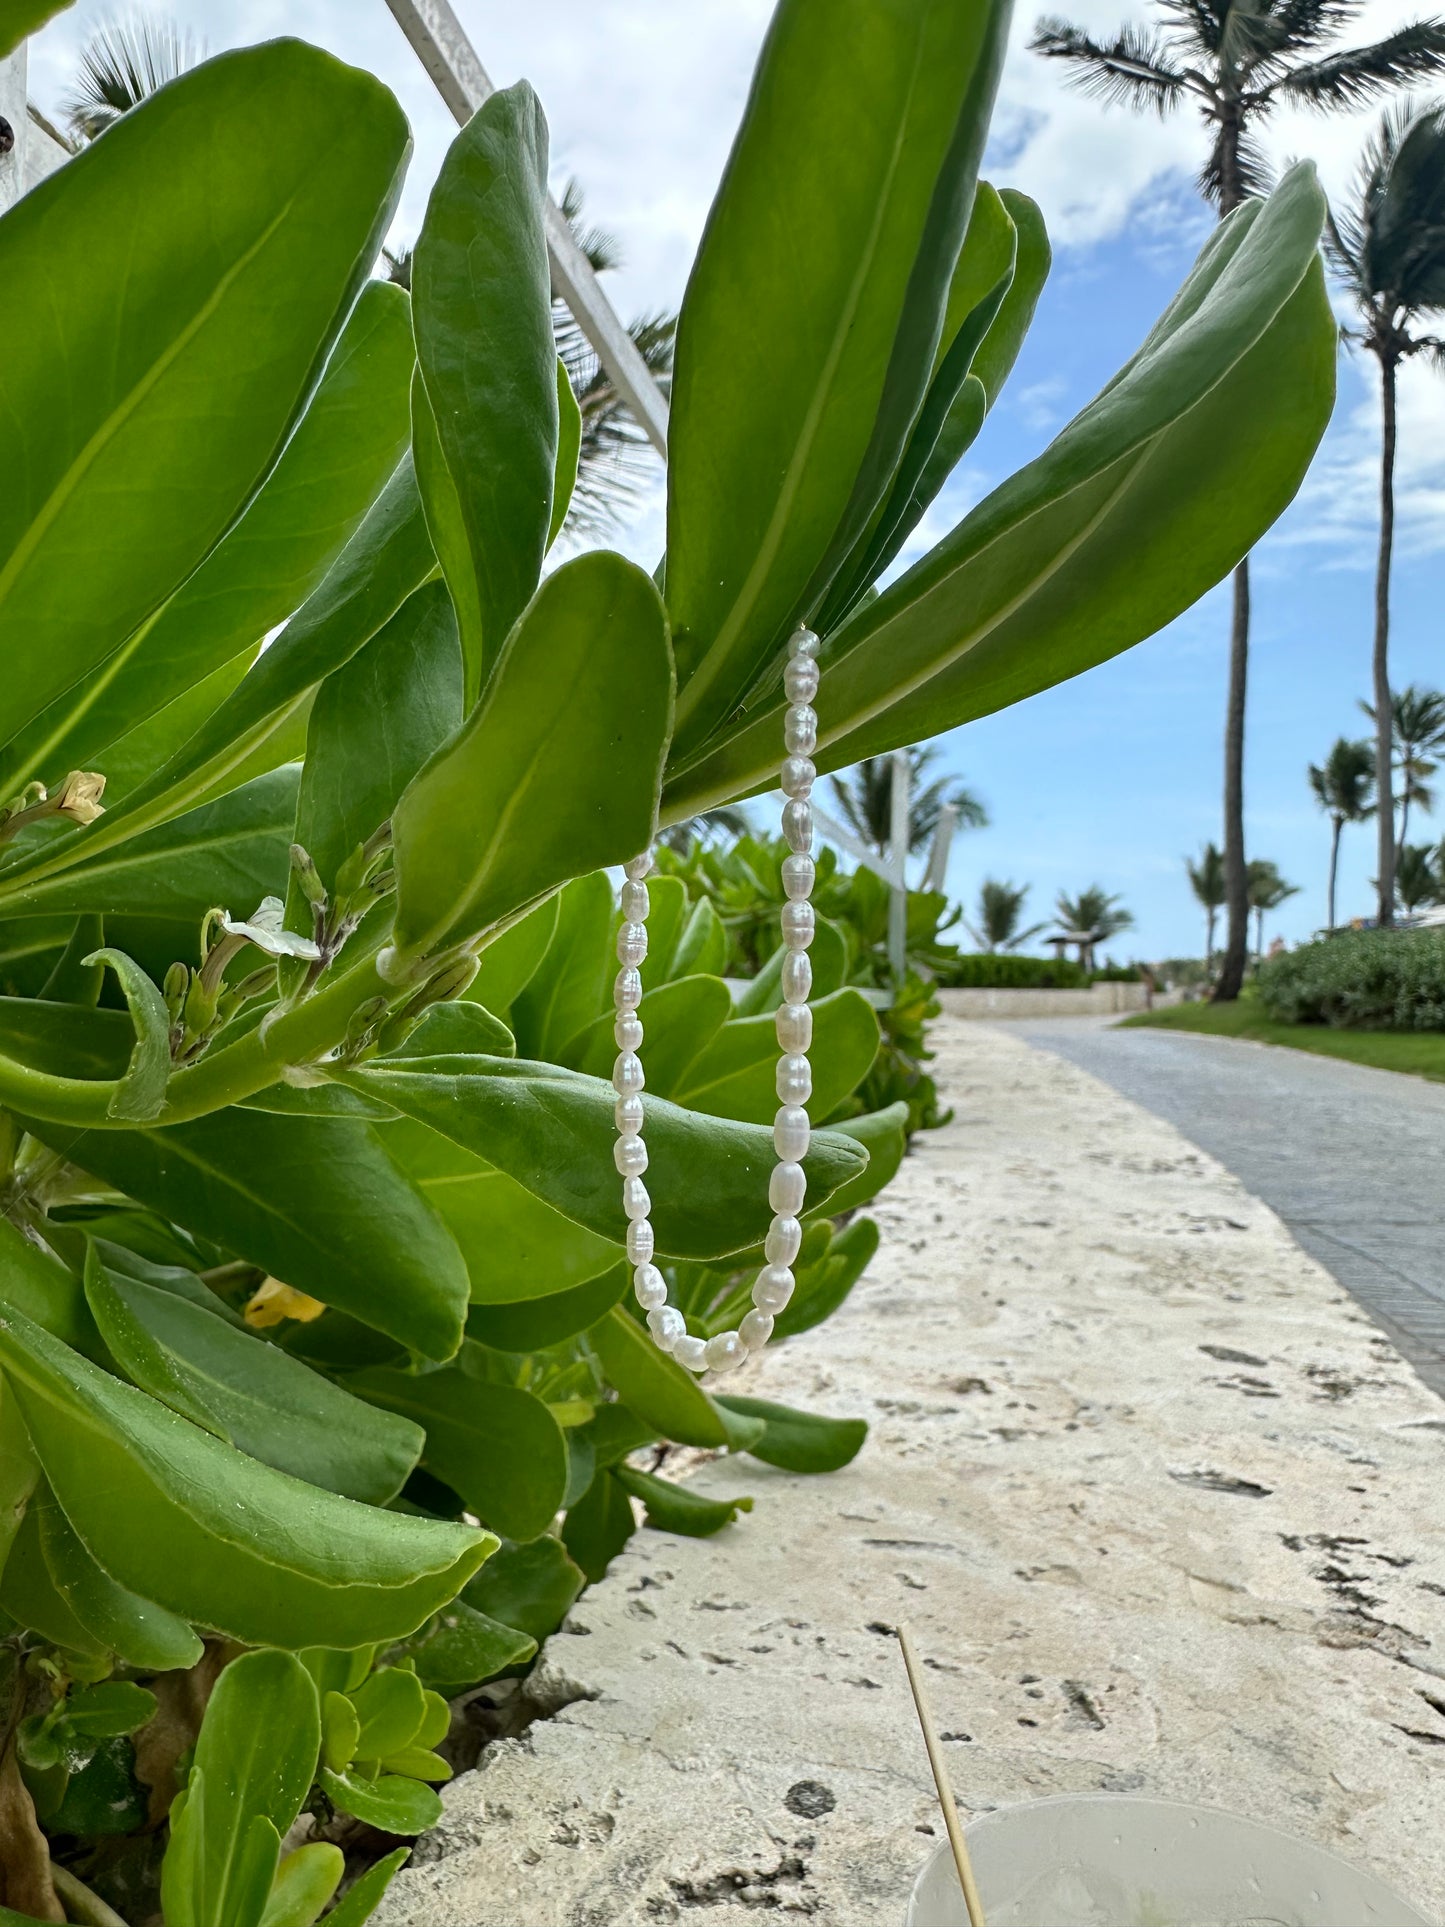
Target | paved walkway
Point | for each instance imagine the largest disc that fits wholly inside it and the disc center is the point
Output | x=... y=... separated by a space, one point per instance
x=1351 y=1158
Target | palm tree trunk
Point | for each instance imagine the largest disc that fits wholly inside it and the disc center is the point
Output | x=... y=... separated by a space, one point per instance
x=1236 y=879
x=1338 y=823
x=1209 y=917
x=1384 y=743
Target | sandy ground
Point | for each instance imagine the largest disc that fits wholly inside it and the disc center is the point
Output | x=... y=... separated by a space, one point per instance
x=1160 y=1503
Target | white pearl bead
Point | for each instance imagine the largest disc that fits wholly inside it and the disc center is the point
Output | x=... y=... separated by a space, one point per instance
x=629 y=1154
x=800 y=873
x=773 y=1287
x=726 y=1352
x=637 y=867
x=800 y=730
x=641 y=1242
x=790 y=1132
x=793 y=1080
x=627 y=1031
x=691 y=1352
x=756 y=1329
x=783 y=1242
x=800 y=680
x=803 y=641
x=627 y=1078
x=635 y=902
x=798 y=824
x=650 y=1286
x=635 y=1202
x=798 y=925
x=794 y=1024
x=627 y=1115
x=797 y=977
x=787 y=1188
x=632 y=943
x=627 y=989
x=667 y=1325
x=798 y=776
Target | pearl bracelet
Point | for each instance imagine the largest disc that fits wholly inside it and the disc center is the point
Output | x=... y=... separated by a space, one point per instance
x=787 y=1187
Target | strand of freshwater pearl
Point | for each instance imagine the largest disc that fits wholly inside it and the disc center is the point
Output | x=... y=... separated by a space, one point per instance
x=773 y=1286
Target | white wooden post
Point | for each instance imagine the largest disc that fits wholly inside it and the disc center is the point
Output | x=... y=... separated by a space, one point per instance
x=935 y=877
x=15 y=114
x=464 y=83
x=901 y=799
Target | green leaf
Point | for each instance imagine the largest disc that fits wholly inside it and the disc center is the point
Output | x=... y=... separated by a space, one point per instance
x=569 y=450
x=664 y=927
x=823 y=1287
x=151 y=262
x=31 y=1597
x=21 y=19
x=993 y=362
x=829 y=956
x=360 y=1902
x=458 y=1030
x=1137 y=508
x=19 y=1471
x=461 y=1647
x=675 y=1508
x=180 y=1518
x=801 y=1441
x=509 y=961
x=703 y=945
x=139 y=1632
x=103 y=1798
x=251 y=1393
x=536 y=1324
x=567 y=988
x=344 y=448
x=496 y=1445
x=340 y=1728
x=599 y=1526
x=743 y=1432
x=483 y=320
x=553 y=1130
x=73 y=981
x=811 y=318
x=315 y=1201
x=390 y=1706
x=531 y=1587
x=652 y=1385
x=681 y=1020
x=884 y=1136
x=110 y=1709
x=735 y=1075
x=555 y=772
x=305 y=1881
x=392 y=1804
x=140 y=1094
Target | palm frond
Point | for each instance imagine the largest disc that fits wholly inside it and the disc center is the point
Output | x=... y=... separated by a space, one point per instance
x=616 y=461
x=1131 y=70
x=1358 y=75
x=124 y=62
x=600 y=246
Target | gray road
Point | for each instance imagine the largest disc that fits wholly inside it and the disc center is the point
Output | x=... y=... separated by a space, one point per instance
x=1352 y=1159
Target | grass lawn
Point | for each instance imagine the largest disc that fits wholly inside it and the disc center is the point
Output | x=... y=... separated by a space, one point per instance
x=1418 y=1053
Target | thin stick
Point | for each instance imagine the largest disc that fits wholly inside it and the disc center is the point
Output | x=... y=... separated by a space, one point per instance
x=940 y=1780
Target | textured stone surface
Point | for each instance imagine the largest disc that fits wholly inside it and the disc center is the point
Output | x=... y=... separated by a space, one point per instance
x=1162 y=1507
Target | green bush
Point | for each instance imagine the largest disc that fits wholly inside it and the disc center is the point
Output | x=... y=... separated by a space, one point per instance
x=1359 y=980
x=1001 y=970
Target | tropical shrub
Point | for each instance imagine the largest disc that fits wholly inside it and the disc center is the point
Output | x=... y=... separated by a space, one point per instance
x=1359 y=980
x=1001 y=970
x=314 y=1317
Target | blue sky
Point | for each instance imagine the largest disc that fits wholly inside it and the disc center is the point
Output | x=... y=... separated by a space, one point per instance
x=1113 y=777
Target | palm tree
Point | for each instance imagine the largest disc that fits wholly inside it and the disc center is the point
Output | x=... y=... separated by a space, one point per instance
x=1417 y=719
x=728 y=821
x=1094 y=916
x=1000 y=910
x=1267 y=891
x=1235 y=61
x=864 y=795
x=1344 y=787
x=1389 y=248
x=1206 y=879
x=1417 y=879
x=123 y=63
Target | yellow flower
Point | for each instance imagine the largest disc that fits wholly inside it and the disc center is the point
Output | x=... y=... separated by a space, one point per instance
x=272 y=1303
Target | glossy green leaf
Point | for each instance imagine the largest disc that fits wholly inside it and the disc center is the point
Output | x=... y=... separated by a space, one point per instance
x=458 y=1030
x=103 y=1798
x=569 y=450
x=743 y=1432
x=735 y=1075
x=676 y=1508
x=73 y=980
x=599 y=1526
x=360 y=1902
x=65 y=1039
x=19 y=20
x=665 y=920
x=553 y=1130
x=569 y=985
x=249 y=1392
x=615 y=1432
x=537 y=1323
x=254 y=1760
x=884 y=1136
x=829 y=956
x=461 y=1647
x=654 y=1386
x=801 y=1441
x=681 y=1020
x=824 y=1286
x=31 y=1597
x=1136 y=509
x=374 y=723
x=703 y=945
x=789 y=415
x=345 y=446
x=185 y=1520
x=567 y=741
x=19 y=1470
x=516 y=1247
x=391 y=1803
x=496 y=1445
x=138 y=1631
x=305 y=1881
x=140 y=1093
x=508 y=963
x=483 y=320
x=315 y=1201
x=994 y=359
x=390 y=1707
x=151 y=262
x=34 y=1282
x=531 y=1587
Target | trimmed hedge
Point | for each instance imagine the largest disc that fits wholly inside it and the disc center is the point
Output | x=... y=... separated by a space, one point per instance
x=1360 y=980
x=999 y=970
